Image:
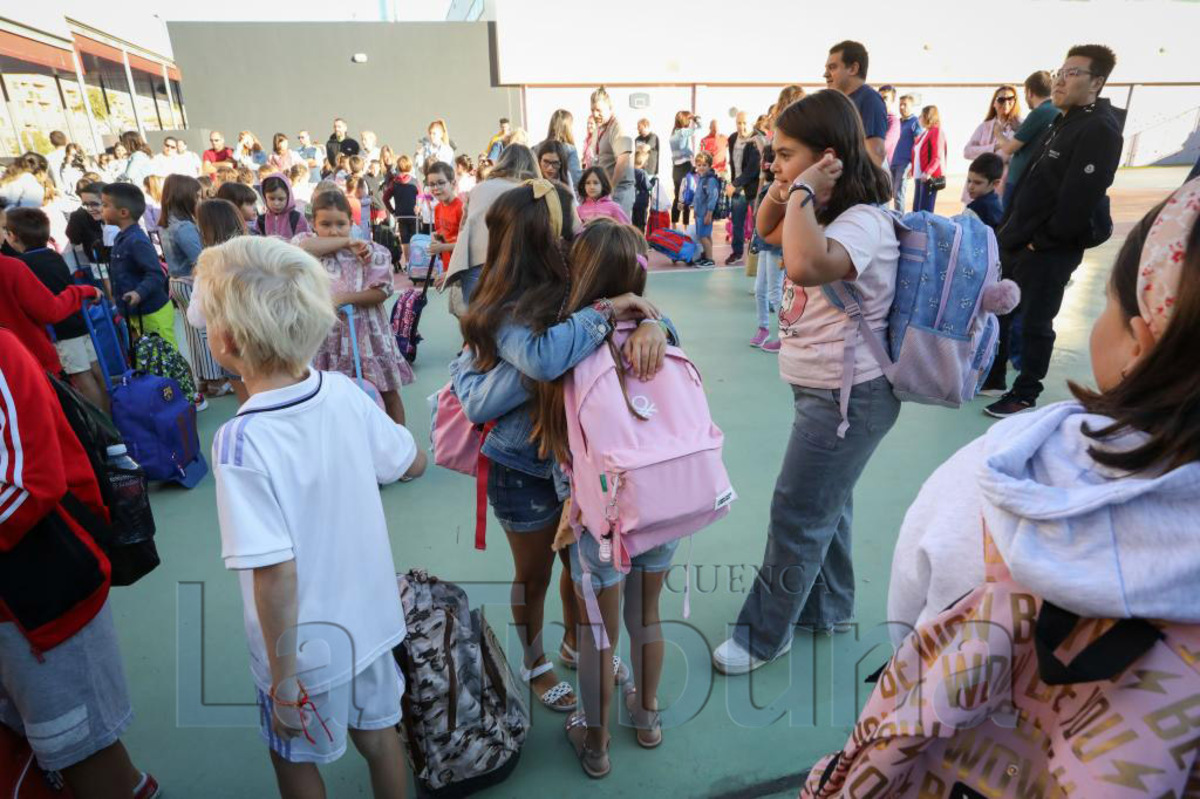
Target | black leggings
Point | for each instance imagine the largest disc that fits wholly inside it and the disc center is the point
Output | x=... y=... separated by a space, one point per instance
x=679 y=172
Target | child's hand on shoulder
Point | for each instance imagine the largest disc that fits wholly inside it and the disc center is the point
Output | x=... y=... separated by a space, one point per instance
x=361 y=249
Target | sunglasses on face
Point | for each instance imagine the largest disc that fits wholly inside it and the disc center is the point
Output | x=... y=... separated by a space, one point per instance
x=1006 y=100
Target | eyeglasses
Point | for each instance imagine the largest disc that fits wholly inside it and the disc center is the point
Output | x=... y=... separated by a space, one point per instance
x=92 y=206
x=1070 y=72
x=554 y=163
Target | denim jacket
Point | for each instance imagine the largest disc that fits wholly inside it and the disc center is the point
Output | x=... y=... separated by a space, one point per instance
x=708 y=193
x=503 y=393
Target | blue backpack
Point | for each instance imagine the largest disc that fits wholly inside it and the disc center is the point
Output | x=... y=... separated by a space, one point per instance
x=687 y=189
x=942 y=329
x=154 y=415
x=158 y=423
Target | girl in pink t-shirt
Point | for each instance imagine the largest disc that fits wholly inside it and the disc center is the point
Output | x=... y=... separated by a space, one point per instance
x=824 y=210
x=596 y=190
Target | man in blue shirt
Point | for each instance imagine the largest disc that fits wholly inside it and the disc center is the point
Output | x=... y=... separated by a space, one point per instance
x=846 y=71
x=910 y=129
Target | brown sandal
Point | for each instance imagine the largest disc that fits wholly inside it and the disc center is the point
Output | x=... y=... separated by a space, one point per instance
x=595 y=764
x=647 y=723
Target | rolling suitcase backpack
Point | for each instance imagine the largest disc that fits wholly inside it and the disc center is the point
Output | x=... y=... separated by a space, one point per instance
x=677 y=246
x=156 y=419
x=406 y=316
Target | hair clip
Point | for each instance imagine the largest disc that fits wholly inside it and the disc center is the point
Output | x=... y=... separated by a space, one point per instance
x=641 y=259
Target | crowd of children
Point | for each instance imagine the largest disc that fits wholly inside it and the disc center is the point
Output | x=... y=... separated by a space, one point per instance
x=283 y=282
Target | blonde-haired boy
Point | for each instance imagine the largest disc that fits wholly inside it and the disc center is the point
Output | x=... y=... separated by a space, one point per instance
x=301 y=520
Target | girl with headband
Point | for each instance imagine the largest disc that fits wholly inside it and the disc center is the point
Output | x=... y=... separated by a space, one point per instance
x=1091 y=502
x=517 y=334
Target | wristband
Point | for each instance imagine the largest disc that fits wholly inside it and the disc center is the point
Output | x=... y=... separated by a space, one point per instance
x=605 y=308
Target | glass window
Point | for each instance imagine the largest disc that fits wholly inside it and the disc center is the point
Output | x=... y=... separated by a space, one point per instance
x=34 y=101
x=177 y=103
x=10 y=145
x=108 y=91
x=81 y=132
x=143 y=85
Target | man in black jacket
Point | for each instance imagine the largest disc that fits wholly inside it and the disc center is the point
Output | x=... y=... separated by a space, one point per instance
x=1060 y=208
x=745 y=156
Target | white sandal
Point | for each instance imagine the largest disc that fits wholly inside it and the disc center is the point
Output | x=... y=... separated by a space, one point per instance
x=556 y=692
x=570 y=659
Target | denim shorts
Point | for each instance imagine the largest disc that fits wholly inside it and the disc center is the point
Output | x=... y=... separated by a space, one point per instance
x=605 y=575
x=522 y=503
x=703 y=231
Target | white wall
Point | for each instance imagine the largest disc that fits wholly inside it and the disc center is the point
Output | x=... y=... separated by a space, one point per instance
x=931 y=41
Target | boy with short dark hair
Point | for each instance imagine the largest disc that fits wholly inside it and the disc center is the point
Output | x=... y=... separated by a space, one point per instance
x=28 y=232
x=983 y=178
x=139 y=282
x=448 y=213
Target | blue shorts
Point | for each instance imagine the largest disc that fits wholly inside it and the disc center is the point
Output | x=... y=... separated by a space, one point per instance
x=703 y=231
x=522 y=503
x=605 y=575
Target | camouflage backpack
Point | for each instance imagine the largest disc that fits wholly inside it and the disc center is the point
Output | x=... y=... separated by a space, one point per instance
x=464 y=718
x=154 y=355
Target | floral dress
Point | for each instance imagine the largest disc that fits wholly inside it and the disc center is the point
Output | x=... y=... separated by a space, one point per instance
x=381 y=361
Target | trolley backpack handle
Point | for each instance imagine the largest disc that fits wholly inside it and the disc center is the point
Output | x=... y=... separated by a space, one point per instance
x=348 y=309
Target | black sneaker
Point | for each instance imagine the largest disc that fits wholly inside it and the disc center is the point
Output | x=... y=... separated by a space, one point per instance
x=1009 y=405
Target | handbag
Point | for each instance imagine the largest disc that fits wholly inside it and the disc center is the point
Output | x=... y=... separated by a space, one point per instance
x=936 y=184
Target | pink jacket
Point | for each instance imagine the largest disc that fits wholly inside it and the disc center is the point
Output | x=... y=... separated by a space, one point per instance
x=983 y=140
x=590 y=209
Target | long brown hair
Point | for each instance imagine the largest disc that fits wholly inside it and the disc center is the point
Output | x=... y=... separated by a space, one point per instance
x=828 y=120
x=561 y=122
x=219 y=221
x=1014 y=112
x=524 y=277
x=604 y=263
x=1161 y=394
x=179 y=194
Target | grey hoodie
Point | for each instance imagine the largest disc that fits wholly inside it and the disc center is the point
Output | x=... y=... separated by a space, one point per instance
x=1093 y=540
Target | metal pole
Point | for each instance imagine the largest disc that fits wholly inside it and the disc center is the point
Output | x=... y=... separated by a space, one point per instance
x=176 y=123
x=137 y=116
x=97 y=141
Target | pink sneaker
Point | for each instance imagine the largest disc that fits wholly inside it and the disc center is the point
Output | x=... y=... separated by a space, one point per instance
x=762 y=335
x=771 y=346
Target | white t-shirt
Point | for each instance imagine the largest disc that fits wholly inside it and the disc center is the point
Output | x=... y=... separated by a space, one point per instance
x=812 y=330
x=297 y=474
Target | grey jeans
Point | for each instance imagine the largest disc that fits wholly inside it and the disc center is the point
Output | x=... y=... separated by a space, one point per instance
x=807 y=574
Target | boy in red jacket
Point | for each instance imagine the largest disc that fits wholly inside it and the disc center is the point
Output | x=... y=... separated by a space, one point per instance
x=62 y=684
x=27 y=306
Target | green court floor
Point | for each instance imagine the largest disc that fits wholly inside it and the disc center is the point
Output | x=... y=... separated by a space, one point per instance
x=181 y=627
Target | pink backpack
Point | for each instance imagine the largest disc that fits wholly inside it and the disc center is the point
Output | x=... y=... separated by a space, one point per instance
x=1005 y=695
x=646 y=464
x=458 y=446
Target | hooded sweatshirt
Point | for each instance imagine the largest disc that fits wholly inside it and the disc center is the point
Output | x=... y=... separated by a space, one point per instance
x=1094 y=540
x=288 y=223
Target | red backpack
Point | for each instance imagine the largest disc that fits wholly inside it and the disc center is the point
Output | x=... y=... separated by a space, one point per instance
x=1006 y=695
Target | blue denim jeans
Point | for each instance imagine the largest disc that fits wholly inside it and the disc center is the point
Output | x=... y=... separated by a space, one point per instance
x=737 y=213
x=899 y=184
x=768 y=286
x=925 y=197
x=807 y=574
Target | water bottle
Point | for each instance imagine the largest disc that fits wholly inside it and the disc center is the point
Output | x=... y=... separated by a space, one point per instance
x=132 y=518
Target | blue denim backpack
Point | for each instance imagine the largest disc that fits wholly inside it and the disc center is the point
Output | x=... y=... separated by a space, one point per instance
x=942 y=329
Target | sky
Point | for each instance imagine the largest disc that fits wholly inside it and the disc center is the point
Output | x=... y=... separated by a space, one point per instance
x=303 y=10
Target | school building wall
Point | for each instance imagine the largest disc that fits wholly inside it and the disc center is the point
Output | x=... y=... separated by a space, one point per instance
x=273 y=77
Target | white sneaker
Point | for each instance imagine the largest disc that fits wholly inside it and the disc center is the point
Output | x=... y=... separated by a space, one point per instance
x=202 y=404
x=729 y=658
